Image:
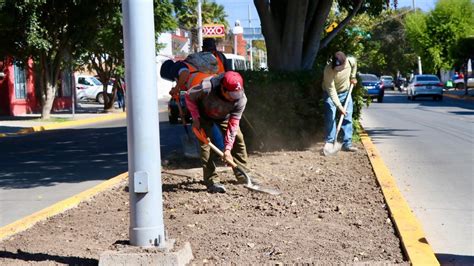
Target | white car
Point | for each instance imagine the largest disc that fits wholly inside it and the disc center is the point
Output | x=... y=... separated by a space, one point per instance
x=425 y=86
x=459 y=83
x=90 y=88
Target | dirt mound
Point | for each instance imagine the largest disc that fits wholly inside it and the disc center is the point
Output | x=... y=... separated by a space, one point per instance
x=331 y=211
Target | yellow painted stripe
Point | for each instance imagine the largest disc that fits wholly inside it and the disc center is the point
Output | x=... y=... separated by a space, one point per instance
x=414 y=242
x=59 y=207
x=72 y=123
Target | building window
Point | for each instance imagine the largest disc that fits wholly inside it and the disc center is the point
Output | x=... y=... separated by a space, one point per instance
x=20 y=80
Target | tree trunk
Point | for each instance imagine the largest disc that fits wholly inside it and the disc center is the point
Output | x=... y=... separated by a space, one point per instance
x=109 y=101
x=293 y=31
x=50 y=92
x=48 y=72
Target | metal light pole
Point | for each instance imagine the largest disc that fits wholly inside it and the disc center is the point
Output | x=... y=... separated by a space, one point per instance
x=199 y=25
x=251 y=47
x=143 y=137
x=420 y=72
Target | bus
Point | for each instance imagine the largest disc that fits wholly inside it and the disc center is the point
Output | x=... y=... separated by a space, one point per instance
x=236 y=62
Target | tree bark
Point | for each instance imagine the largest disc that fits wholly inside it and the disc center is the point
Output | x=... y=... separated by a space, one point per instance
x=48 y=80
x=293 y=31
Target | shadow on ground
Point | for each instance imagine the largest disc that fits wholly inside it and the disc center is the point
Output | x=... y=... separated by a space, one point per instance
x=42 y=257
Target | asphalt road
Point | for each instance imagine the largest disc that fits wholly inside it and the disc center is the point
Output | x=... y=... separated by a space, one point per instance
x=40 y=169
x=428 y=147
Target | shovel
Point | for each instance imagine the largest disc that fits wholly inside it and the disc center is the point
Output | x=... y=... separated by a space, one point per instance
x=333 y=148
x=201 y=135
x=189 y=144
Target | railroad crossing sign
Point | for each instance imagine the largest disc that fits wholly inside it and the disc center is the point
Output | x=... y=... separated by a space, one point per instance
x=213 y=30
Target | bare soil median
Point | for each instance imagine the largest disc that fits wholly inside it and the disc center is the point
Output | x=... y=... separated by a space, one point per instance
x=331 y=211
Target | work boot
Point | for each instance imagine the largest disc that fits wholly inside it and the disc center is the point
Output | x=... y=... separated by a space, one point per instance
x=350 y=149
x=216 y=188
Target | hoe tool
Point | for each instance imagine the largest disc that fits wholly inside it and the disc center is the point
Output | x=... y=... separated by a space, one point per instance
x=201 y=135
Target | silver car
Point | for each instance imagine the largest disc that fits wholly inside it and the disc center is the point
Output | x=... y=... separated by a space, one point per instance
x=425 y=86
x=387 y=82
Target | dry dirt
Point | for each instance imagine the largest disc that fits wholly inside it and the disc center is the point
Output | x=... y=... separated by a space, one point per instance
x=331 y=211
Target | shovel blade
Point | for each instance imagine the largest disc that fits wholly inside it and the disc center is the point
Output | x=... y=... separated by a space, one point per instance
x=191 y=148
x=332 y=148
x=259 y=188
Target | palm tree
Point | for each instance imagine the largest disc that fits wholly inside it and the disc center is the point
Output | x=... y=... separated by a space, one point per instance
x=186 y=13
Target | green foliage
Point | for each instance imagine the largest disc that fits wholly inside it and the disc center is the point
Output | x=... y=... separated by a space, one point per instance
x=163 y=13
x=435 y=35
x=379 y=43
x=462 y=50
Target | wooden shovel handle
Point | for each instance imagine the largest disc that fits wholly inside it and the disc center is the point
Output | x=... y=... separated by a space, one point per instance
x=346 y=103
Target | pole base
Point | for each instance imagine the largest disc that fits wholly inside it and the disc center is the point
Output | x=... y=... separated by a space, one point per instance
x=131 y=255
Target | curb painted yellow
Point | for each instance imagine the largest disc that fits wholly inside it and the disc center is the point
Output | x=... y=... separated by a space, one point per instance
x=460 y=97
x=60 y=207
x=414 y=242
x=72 y=123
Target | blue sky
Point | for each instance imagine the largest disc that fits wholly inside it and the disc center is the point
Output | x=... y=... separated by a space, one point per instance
x=238 y=9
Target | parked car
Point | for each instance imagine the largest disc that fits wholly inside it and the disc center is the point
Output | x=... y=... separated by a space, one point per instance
x=425 y=86
x=387 y=82
x=173 y=110
x=90 y=88
x=459 y=83
x=373 y=86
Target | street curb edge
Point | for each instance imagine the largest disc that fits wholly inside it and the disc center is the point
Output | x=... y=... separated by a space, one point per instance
x=410 y=231
x=458 y=97
x=71 y=123
x=60 y=207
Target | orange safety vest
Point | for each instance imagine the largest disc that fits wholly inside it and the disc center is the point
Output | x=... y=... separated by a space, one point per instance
x=195 y=77
x=220 y=64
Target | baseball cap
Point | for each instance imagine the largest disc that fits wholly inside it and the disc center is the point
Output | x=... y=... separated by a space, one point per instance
x=338 y=61
x=233 y=84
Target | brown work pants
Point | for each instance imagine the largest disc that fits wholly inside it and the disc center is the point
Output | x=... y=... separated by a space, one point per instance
x=239 y=151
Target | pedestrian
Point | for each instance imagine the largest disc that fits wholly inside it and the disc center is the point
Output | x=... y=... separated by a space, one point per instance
x=339 y=73
x=219 y=100
x=121 y=96
x=209 y=45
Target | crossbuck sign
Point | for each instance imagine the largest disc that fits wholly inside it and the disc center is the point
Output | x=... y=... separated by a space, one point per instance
x=213 y=30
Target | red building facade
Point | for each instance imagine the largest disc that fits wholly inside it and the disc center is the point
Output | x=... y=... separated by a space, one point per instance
x=18 y=95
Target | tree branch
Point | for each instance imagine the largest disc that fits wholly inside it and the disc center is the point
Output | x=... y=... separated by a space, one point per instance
x=341 y=25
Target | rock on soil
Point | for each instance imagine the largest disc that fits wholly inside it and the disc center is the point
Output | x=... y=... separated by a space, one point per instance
x=331 y=211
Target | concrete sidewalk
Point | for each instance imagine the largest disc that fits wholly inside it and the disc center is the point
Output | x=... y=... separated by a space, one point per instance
x=85 y=113
x=15 y=124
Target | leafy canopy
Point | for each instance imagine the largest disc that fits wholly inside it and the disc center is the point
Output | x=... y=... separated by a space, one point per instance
x=435 y=35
